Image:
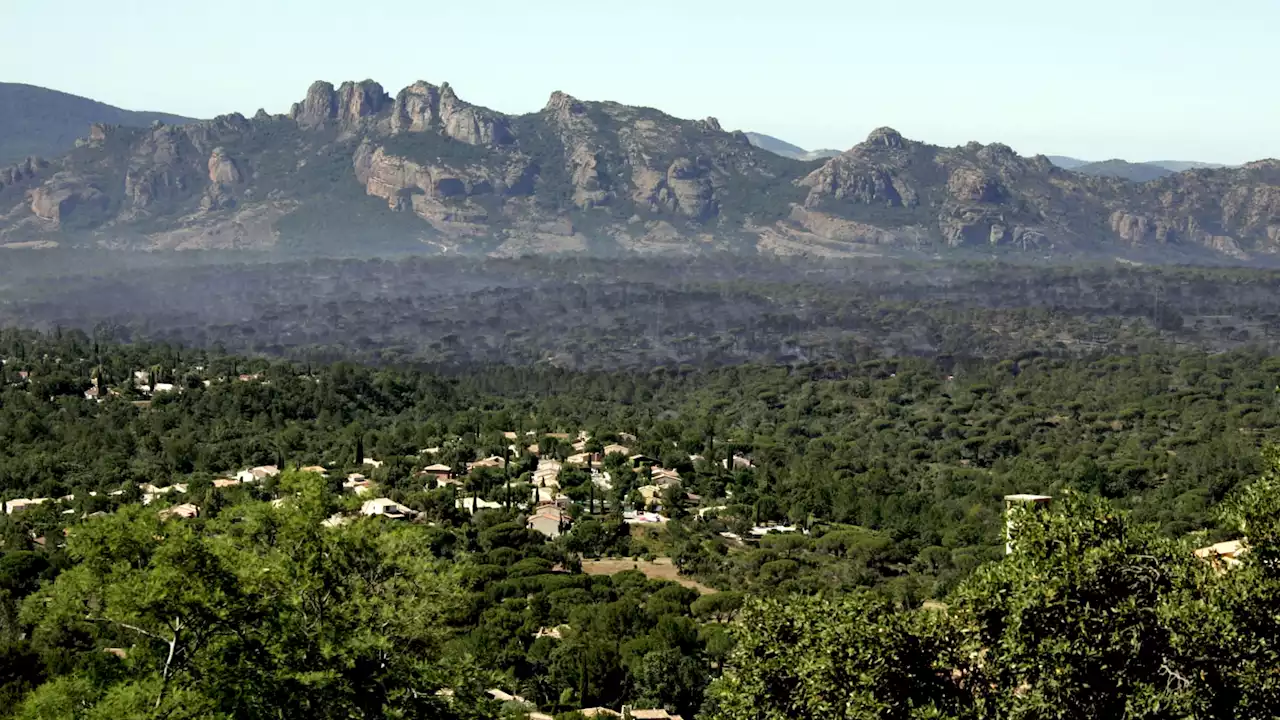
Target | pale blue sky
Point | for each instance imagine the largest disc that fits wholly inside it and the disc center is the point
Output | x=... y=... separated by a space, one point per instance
x=1140 y=79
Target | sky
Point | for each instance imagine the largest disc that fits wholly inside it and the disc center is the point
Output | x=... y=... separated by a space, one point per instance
x=1137 y=79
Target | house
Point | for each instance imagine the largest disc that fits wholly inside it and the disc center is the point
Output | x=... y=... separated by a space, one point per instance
x=358 y=484
x=225 y=482
x=186 y=510
x=431 y=451
x=638 y=460
x=644 y=518
x=335 y=520
x=553 y=496
x=509 y=435
x=556 y=633
x=627 y=437
x=650 y=493
x=262 y=472
x=582 y=458
x=739 y=463
x=762 y=530
x=317 y=469
x=440 y=471
x=547 y=474
x=580 y=446
x=1225 y=554
x=387 y=508
x=550 y=520
x=464 y=503
x=616 y=449
x=602 y=480
x=375 y=464
x=163 y=387
x=151 y=492
x=664 y=477
x=503 y=696
x=20 y=504
x=493 y=461
x=600 y=712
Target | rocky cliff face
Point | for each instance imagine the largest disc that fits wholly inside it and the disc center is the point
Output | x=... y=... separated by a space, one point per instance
x=353 y=165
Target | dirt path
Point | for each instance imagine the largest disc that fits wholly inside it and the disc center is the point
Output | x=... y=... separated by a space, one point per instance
x=660 y=569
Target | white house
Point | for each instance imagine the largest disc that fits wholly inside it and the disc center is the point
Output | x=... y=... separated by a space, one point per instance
x=386 y=507
x=20 y=504
x=464 y=503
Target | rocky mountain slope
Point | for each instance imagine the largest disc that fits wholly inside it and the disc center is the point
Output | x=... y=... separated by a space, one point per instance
x=352 y=169
x=42 y=122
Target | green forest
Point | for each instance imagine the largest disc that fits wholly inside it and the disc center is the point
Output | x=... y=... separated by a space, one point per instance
x=877 y=585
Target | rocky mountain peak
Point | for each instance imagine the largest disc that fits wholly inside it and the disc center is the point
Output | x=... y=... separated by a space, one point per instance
x=885 y=137
x=563 y=104
x=318 y=107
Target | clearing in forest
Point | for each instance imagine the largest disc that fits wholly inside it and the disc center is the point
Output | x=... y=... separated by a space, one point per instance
x=659 y=569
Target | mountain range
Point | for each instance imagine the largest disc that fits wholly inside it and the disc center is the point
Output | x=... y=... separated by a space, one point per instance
x=354 y=169
x=1137 y=172
x=41 y=122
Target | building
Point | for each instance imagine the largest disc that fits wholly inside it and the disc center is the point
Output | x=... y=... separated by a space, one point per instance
x=739 y=463
x=151 y=492
x=20 y=504
x=186 y=510
x=262 y=472
x=440 y=471
x=375 y=464
x=547 y=474
x=550 y=520
x=225 y=482
x=465 y=504
x=1014 y=505
x=640 y=517
x=358 y=484
x=386 y=507
x=664 y=477
x=1224 y=554
x=315 y=469
x=493 y=461
x=617 y=449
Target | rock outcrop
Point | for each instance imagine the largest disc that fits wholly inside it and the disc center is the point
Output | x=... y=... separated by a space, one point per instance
x=23 y=172
x=423 y=107
x=345 y=107
x=67 y=201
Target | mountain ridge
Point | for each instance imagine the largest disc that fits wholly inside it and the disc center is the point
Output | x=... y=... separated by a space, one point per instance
x=786 y=149
x=354 y=165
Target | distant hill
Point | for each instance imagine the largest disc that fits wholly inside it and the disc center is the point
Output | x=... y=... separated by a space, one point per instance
x=1136 y=172
x=786 y=149
x=46 y=123
x=1066 y=163
x=1181 y=165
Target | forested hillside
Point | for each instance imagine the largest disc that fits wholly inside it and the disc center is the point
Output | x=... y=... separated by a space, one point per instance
x=877 y=482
